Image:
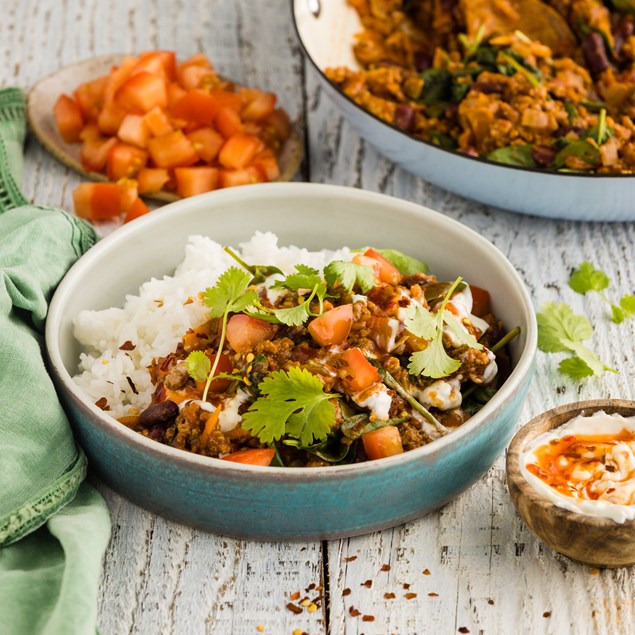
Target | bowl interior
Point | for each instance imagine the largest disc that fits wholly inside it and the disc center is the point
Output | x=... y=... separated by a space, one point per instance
x=307 y=215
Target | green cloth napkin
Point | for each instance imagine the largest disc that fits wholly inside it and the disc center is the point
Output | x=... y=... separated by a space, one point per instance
x=54 y=528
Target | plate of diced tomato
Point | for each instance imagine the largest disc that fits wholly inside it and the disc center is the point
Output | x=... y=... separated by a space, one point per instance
x=151 y=126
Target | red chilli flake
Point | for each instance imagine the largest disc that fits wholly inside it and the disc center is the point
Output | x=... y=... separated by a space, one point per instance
x=410 y=596
x=426 y=572
x=368 y=618
x=547 y=614
x=389 y=596
x=353 y=612
x=433 y=595
x=350 y=558
x=406 y=586
x=293 y=608
x=464 y=629
x=346 y=592
x=368 y=584
x=102 y=403
x=385 y=567
x=295 y=595
x=127 y=346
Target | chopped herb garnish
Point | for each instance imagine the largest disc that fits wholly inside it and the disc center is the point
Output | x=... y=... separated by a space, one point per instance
x=348 y=274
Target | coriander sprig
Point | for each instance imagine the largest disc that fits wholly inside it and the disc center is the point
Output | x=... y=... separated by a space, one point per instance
x=562 y=331
x=587 y=278
x=348 y=274
x=292 y=403
x=231 y=294
x=433 y=361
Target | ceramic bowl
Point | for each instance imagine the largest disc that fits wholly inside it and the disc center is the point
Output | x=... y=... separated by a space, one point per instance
x=288 y=503
x=599 y=542
x=326 y=36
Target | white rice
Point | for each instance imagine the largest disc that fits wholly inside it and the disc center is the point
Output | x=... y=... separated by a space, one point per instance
x=156 y=319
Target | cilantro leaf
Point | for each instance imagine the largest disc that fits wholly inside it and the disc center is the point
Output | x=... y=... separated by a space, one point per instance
x=459 y=332
x=349 y=273
x=575 y=368
x=293 y=403
x=406 y=264
x=293 y=316
x=420 y=321
x=198 y=365
x=587 y=278
x=230 y=294
x=433 y=361
x=627 y=304
x=557 y=322
x=303 y=278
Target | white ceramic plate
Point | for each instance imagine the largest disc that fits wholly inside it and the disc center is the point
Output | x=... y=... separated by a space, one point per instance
x=326 y=36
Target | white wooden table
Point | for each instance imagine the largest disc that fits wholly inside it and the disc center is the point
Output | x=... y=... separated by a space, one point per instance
x=472 y=566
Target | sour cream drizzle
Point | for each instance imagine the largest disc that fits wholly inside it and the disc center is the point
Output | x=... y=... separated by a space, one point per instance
x=586 y=466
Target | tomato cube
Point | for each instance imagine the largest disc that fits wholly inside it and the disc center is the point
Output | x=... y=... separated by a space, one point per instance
x=243 y=331
x=252 y=456
x=142 y=92
x=94 y=153
x=372 y=263
x=197 y=180
x=90 y=97
x=333 y=326
x=260 y=105
x=97 y=201
x=357 y=373
x=228 y=122
x=239 y=150
x=150 y=180
x=137 y=208
x=118 y=76
x=157 y=122
x=110 y=118
x=268 y=164
x=195 y=107
x=172 y=150
x=206 y=142
x=125 y=161
x=134 y=130
x=382 y=442
x=162 y=63
x=246 y=176
x=387 y=271
x=69 y=118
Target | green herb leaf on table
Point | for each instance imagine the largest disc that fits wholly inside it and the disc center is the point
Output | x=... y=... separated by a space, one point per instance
x=561 y=330
x=292 y=403
x=198 y=365
x=348 y=274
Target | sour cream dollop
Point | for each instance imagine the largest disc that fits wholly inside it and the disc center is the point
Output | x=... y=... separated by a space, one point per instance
x=586 y=466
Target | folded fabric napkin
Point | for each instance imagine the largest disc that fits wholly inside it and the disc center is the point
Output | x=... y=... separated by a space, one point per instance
x=54 y=528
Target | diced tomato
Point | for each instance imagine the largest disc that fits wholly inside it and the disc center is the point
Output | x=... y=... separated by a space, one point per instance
x=368 y=262
x=125 y=161
x=196 y=72
x=158 y=122
x=137 y=209
x=239 y=150
x=382 y=442
x=110 y=118
x=128 y=194
x=481 y=301
x=206 y=142
x=196 y=180
x=172 y=150
x=244 y=331
x=268 y=164
x=252 y=456
x=134 y=130
x=161 y=63
x=228 y=122
x=358 y=373
x=224 y=366
x=118 y=76
x=94 y=153
x=175 y=92
x=227 y=99
x=142 y=92
x=97 y=201
x=196 y=107
x=150 y=180
x=69 y=118
x=90 y=132
x=387 y=271
x=333 y=326
x=260 y=104
x=246 y=176
x=90 y=97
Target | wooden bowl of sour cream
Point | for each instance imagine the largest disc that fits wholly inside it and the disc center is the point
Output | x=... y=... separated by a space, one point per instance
x=574 y=493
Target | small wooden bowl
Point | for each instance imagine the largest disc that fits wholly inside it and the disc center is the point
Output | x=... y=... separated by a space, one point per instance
x=599 y=542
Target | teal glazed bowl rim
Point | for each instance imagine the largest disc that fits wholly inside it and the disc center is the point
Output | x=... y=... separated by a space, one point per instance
x=316 y=503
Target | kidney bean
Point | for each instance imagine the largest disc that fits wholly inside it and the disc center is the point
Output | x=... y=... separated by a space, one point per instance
x=543 y=155
x=595 y=53
x=404 y=117
x=159 y=414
